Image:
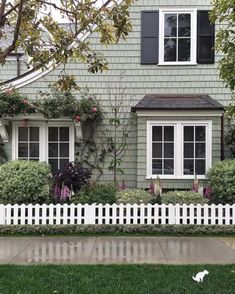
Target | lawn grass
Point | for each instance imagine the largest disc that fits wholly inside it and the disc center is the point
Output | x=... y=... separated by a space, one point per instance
x=115 y=279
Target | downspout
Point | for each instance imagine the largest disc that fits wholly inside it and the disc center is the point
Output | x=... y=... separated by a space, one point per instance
x=222 y=137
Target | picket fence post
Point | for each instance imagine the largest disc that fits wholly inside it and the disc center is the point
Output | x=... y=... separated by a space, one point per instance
x=2 y=214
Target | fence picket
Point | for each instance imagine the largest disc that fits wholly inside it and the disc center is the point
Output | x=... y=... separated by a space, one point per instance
x=2 y=214
x=117 y=214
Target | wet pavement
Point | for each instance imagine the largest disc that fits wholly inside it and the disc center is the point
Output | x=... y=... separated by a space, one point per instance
x=110 y=250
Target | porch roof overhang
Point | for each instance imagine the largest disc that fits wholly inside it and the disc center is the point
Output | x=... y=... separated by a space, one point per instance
x=179 y=102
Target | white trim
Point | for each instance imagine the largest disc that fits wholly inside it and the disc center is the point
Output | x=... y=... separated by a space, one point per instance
x=43 y=137
x=178 y=147
x=37 y=74
x=179 y=113
x=3 y=132
x=193 y=36
x=36 y=117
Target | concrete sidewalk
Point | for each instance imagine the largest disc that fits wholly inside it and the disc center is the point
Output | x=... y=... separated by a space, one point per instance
x=108 y=250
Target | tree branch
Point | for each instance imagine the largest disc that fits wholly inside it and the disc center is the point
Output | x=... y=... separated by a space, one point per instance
x=10 y=10
x=56 y=7
x=2 y=9
x=12 y=47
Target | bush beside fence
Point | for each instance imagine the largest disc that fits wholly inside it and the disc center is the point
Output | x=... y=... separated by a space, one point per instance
x=117 y=214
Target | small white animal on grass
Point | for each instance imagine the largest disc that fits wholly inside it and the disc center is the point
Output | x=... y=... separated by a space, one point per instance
x=200 y=276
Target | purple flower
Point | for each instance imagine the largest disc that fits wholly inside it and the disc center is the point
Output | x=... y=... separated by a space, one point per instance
x=57 y=191
x=65 y=193
x=208 y=192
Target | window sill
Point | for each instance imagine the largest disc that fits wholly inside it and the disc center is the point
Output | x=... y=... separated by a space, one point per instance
x=177 y=63
x=174 y=177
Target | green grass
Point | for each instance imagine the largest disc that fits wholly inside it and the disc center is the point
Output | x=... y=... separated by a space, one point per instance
x=115 y=279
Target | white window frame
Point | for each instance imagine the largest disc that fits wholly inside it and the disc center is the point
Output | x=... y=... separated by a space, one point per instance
x=178 y=148
x=43 y=138
x=193 y=45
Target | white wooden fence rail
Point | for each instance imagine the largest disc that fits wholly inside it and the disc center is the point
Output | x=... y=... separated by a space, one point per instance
x=117 y=214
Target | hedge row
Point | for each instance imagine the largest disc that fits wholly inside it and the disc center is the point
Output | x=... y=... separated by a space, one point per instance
x=158 y=230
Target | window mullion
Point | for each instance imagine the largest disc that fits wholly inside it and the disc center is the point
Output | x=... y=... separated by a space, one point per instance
x=163 y=147
x=177 y=37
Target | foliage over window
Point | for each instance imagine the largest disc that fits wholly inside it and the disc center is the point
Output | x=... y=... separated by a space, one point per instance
x=52 y=105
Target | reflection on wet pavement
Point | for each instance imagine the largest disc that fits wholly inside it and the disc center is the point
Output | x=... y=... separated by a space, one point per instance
x=76 y=250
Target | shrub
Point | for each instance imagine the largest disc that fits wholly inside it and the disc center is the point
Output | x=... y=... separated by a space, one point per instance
x=133 y=196
x=70 y=180
x=98 y=193
x=24 y=182
x=222 y=181
x=113 y=230
x=182 y=197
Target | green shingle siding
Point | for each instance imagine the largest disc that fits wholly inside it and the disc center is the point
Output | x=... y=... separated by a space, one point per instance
x=140 y=80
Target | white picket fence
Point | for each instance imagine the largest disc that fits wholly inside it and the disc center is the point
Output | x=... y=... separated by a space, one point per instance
x=117 y=214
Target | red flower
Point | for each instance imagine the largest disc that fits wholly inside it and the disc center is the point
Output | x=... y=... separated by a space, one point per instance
x=94 y=110
x=77 y=117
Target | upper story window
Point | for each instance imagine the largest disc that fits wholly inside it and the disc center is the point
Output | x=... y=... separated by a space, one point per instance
x=177 y=37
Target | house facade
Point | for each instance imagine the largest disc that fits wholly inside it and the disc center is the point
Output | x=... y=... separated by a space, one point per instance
x=169 y=80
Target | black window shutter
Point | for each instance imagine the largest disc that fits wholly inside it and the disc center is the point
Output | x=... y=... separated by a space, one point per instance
x=205 y=38
x=149 y=37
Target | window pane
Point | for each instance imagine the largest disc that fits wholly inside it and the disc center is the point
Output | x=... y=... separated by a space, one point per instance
x=23 y=133
x=168 y=150
x=34 y=133
x=184 y=24
x=157 y=134
x=170 y=50
x=188 y=133
x=23 y=150
x=157 y=167
x=64 y=149
x=188 y=167
x=34 y=150
x=170 y=25
x=200 y=167
x=63 y=163
x=168 y=167
x=157 y=150
x=200 y=150
x=200 y=133
x=54 y=165
x=184 y=50
x=64 y=134
x=169 y=133
x=188 y=150
x=53 y=150
x=53 y=134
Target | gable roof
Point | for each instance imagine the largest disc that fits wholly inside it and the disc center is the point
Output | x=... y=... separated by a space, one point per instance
x=38 y=72
x=177 y=102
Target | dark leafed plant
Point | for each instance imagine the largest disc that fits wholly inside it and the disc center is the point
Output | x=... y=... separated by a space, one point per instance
x=69 y=180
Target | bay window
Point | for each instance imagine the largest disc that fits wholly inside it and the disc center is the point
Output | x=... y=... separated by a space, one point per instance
x=178 y=149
